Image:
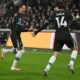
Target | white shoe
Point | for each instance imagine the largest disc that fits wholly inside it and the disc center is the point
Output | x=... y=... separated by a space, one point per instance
x=71 y=68
x=15 y=69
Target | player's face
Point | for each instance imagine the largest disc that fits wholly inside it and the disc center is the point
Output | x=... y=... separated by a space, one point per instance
x=23 y=9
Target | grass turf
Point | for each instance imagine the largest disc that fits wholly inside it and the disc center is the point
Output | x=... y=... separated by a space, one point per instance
x=33 y=63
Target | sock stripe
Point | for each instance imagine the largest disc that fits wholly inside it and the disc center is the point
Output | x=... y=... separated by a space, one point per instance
x=17 y=58
x=49 y=64
x=72 y=59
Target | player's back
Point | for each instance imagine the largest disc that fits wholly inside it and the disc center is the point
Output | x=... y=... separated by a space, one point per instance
x=61 y=20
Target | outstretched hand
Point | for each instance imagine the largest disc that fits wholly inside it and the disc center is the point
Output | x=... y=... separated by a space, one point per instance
x=34 y=33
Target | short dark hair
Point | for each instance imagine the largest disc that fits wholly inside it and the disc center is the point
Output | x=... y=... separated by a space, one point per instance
x=21 y=4
x=60 y=5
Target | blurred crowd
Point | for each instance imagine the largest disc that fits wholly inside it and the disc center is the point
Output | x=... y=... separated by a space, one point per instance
x=37 y=11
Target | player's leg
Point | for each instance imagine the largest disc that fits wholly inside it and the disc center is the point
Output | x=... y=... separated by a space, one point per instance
x=3 y=41
x=14 y=41
x=51 y=62
x=14 y=49
x=20 y=41
x=72 y=59
x=73 y=45
x=57 y=48
x=7 y=50
x=17 y=57
x=16 y=60
x=1 y=54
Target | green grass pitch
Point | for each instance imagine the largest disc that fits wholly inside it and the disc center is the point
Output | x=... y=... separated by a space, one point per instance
x=33 y=63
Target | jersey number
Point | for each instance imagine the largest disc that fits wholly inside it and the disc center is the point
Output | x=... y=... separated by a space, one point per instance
x=61 y=22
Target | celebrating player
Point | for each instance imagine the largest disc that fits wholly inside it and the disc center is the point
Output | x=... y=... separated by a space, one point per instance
x=18 y=26
x=62 y=19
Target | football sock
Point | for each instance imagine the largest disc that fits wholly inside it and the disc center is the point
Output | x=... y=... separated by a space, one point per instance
x=18 y=56
x=73 y=57
x=51 y=61
x=4 y=50
x=14 y=63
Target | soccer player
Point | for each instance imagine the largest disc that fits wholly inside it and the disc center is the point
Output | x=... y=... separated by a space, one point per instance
x=18 y=26
x=7 y=50
x=62 y=19
x=3 y=40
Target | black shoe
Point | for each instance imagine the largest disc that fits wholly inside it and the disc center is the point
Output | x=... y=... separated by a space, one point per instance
x=45 y=73
x=71 y=69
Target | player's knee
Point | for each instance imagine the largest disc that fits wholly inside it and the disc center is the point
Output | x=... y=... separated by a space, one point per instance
x=21 y=49
x=56 y=54
x=74 y=49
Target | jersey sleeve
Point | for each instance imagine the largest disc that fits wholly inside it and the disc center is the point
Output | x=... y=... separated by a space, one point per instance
x=46 y=23
x=69 y=15
x=70 y=18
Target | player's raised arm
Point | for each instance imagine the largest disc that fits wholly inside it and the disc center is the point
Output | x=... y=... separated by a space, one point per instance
x=45 y=24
